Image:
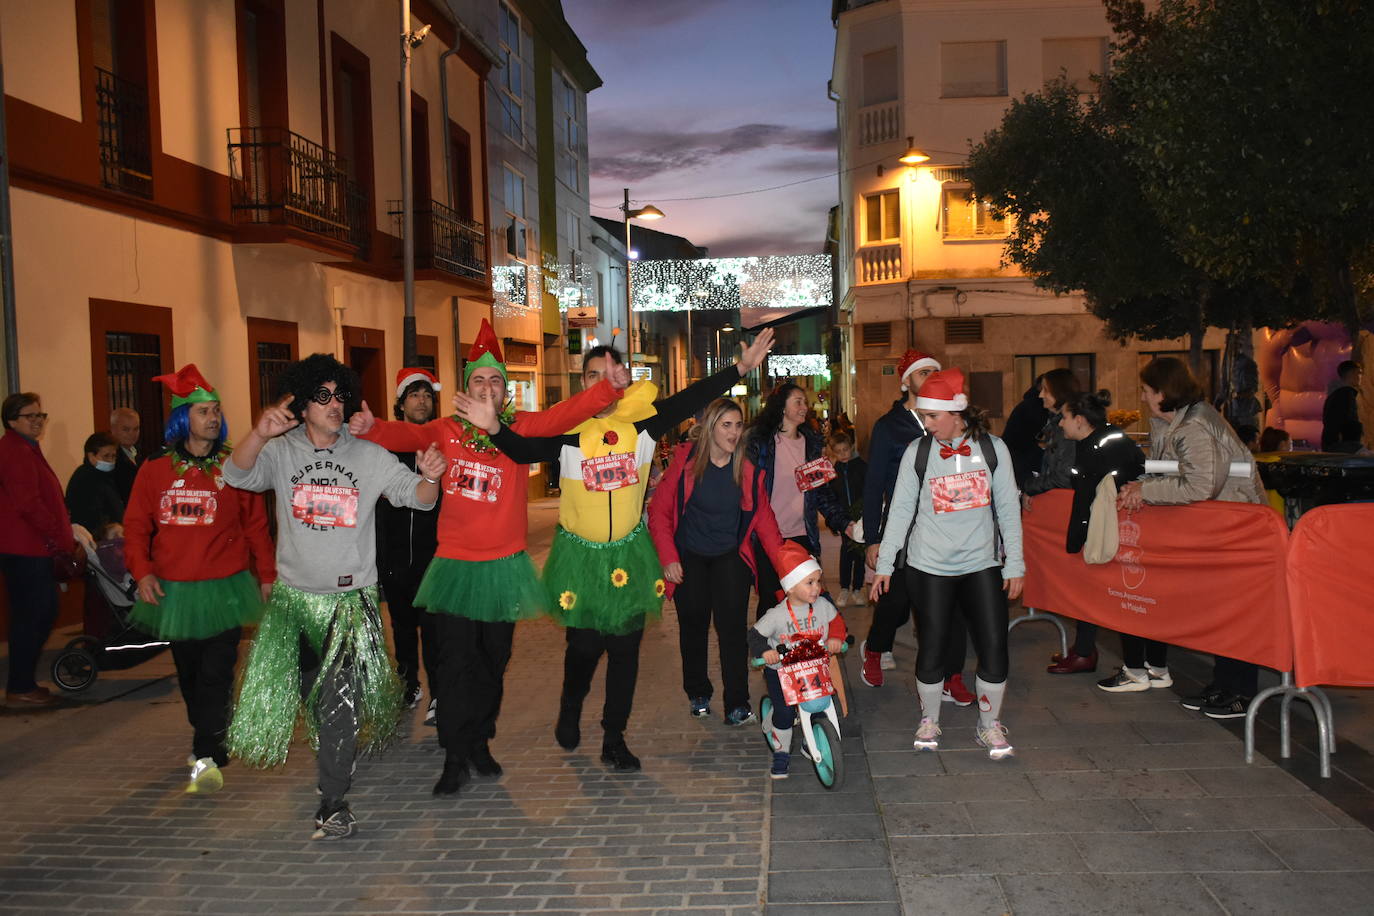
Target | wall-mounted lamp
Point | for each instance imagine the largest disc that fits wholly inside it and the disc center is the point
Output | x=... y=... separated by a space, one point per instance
x=913 y=156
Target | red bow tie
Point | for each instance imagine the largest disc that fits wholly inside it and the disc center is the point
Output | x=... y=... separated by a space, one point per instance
x=947 y=452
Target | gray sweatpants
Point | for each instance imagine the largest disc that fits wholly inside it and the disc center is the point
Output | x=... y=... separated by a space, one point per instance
x=337 y=714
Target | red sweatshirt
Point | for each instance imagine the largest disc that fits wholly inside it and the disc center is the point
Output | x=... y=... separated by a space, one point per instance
x=675 y=490
x=482 y=516
x=32 y=510
x=186 y=528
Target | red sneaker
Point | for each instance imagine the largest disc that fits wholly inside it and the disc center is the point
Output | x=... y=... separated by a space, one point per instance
x=873 y=668
x=955 y=692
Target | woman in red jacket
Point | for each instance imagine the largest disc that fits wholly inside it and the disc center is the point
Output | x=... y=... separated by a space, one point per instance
x=706 y=513
x=34 y=527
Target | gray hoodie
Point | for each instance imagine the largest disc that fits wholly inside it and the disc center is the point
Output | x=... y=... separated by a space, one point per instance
x=956 y=541
x=325 y=503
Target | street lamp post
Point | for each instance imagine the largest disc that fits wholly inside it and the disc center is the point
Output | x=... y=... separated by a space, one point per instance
x=410 y=40
x=649 y=212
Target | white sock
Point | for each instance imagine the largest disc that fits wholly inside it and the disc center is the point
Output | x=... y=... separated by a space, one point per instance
x=989 y=701
x=782 y=738
x=1140 y=674
x=929 y=695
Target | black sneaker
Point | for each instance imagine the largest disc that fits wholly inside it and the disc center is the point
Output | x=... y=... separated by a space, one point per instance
x=619 y=756
x=452 y=780
x=483 y=764
x=431 y=717
x=335 y=824
x=567 y=732
x=1208 y=697
x=413 y=695
x=1227 y=706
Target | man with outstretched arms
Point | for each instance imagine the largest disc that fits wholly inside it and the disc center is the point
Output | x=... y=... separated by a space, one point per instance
x=188 y=537
x=320 y=650
x=603 y=575
x=481 y=581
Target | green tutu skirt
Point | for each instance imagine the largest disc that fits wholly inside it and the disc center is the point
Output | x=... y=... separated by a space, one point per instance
x=199 y=610
x=493 y=591
x=608 y=587
x=345 y=631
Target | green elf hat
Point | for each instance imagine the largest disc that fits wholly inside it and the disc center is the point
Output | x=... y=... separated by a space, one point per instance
x=485 y=352
x=188 y=386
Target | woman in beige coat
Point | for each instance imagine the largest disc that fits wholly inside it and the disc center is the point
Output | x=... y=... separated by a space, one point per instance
x=1186 y=429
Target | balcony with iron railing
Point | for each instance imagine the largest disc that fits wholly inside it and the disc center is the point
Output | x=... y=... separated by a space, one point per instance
x=444 y=240
x=125 y=149
x=279 y=178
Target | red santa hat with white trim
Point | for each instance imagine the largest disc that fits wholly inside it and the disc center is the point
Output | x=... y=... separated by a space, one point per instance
x=406 y=376
x=913 y=360
x=943 y=390
x=796 y=563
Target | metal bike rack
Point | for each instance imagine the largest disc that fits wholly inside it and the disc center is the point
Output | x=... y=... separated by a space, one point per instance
x=1032 y=615
x=1321 y=708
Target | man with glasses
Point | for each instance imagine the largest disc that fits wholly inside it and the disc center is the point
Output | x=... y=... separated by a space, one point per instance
x=320 y=649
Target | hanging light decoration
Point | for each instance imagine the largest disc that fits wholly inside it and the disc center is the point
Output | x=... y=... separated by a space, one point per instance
x=774 y=281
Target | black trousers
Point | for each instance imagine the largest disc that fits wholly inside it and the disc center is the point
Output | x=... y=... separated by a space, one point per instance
x=714 y=589
x=412 y=630
x=33 y=607
x=1233 y=676
x=205 y=671
x=892 y=613
x=851 y=564
x=1137 y=652
x=583 y=654
x=473 y=656
x=978 y=598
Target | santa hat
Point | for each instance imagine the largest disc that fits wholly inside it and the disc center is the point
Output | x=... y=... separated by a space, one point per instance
x=486 y=351
x=188 y=386
x=913 y=360
x=796 y=563
x=942 y=390
x=406 y=376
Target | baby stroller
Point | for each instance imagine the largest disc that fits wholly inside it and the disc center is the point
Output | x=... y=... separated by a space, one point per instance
x=112 y=642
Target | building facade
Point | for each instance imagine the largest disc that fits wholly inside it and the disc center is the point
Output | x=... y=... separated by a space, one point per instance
x=919 y=263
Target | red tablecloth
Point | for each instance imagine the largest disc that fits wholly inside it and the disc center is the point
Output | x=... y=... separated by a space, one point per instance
x=1208 y=576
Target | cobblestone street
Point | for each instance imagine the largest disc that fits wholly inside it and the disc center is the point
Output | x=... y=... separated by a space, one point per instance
x=1112 y=804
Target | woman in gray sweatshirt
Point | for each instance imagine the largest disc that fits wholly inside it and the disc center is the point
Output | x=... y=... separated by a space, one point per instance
x=954 y=513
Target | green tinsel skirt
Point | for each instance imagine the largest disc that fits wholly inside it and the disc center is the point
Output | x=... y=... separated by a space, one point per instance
x=199 y=610
x=607 y=587
x=345 y=631
x=494 y=591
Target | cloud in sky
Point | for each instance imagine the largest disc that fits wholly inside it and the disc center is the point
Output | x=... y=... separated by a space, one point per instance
x=713 y=97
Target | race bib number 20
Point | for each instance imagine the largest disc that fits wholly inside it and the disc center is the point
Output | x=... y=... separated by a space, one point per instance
x=325 y=506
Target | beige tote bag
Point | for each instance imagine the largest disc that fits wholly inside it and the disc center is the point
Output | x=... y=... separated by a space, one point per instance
x=1103 y=533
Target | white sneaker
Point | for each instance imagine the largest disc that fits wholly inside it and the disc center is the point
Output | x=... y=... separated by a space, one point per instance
x=889 y=663
x=205 y=777
x=1124 y=682
x=994 y=738
x=430 y=714
x=1159 y=677
x=927 y=735
x=843 y=599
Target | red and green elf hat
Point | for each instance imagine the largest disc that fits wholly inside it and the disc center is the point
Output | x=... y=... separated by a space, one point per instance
x=188 y=386
x=485 y=352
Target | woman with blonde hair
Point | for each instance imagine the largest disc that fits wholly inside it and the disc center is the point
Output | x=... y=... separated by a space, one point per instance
x=706 y=514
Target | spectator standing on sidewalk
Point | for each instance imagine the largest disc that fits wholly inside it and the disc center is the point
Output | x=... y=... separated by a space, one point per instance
x=892 y=433
x=34 y=528
x=704 y=517
x=187 y=543
x=406 y=541
x=320 y=650
x=125 y=427
x=1342 y=430
x=1186 y=429
x=603 y=576
x=851 y=473
x=955 y=508
x=788 y=451
x=481 y=581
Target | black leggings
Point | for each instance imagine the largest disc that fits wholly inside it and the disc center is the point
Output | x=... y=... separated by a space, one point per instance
x=979 y=599
x=714 y=590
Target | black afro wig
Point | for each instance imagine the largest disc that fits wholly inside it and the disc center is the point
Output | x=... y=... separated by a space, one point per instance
x=303 y=378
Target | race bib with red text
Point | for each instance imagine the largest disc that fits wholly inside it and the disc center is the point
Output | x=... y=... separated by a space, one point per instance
x=187 y=507
x=814 y=474
x=957 y=492
x=325 y=506
x=609 y=472
x=473 y=480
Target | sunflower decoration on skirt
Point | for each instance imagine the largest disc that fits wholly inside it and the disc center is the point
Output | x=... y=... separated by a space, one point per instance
x=567 y=600
x=604 y=586
x=659 y=588
x=619 y=577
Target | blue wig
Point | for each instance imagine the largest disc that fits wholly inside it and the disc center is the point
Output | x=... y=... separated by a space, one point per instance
x=178 y=427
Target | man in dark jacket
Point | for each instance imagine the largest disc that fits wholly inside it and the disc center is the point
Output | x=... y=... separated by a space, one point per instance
x=125 y=427
x=1021 y=434
x=406 y=541
x=892 y=433
x=1342 y=430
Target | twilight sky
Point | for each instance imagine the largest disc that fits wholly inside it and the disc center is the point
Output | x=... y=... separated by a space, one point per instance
x=709 y=97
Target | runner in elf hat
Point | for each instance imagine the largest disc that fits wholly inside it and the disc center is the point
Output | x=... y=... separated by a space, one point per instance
x=187 y=543
x=603 y=576
x=320 y=652
x=481 y=582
